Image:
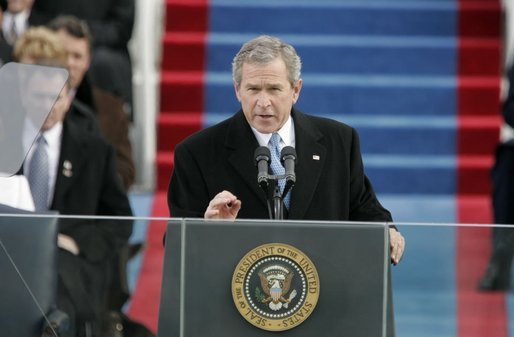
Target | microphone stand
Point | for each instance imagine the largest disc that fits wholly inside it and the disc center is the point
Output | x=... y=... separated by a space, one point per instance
x=278 y=205
x=274 y=200
x=277 y=198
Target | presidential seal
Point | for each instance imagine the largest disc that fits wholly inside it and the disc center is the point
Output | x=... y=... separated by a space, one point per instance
x=275 y=287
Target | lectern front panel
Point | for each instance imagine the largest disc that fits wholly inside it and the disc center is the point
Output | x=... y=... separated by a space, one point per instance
x=201 y=259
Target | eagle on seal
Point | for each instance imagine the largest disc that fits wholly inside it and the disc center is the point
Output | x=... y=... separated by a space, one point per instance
x=276 y=285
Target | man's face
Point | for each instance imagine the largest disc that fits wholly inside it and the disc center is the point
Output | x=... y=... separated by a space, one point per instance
x=59 y=109
x=40 y=95
x=266 y=95
x=17 y=6
x=79 y=57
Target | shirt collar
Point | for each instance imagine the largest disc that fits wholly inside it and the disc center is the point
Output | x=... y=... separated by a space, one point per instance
x=286 y=133
x=20 y=19
x=53 y=136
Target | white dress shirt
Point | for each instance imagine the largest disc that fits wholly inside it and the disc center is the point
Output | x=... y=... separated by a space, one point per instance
x=15 y=192
x=20 y=23
x=286 y=133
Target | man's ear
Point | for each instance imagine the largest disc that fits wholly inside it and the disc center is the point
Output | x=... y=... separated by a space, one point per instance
x=236 y=89
x=296 y=90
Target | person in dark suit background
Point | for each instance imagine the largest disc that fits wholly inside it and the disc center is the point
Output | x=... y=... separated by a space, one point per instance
x=82 y=180
x=498 y=274
x=111 y=23
x=108 y=109
x=214 y=172
x=114 y=126
x=5 y=48
x=15 y=21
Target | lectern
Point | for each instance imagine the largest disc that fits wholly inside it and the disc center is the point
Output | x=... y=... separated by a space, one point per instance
x=275 y=278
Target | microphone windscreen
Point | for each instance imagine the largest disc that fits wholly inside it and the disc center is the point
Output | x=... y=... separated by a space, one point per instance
x=288 y=151
x=262 y=153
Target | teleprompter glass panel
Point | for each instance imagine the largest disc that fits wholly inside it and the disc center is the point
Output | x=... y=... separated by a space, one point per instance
x=27 y=93
x=36 y=260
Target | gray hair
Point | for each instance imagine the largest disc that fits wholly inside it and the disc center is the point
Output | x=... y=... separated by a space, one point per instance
x=265 y=49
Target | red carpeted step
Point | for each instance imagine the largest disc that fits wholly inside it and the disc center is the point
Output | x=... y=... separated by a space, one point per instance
x=476 y=209
x=479 y=95
x=164 y=163
x=479 y=314
x=474 y=174
x=173 y=127
x=480 y=18
x=478 y=134
x=186 y=15
x=144 y=305
x=183 y=51
x=479 y=56
x=182 y=91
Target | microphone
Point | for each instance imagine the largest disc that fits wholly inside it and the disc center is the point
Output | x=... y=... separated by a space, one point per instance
x=288 y=159
x=262 y=159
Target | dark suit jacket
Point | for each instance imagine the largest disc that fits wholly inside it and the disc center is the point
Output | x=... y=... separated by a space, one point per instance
x=222 y=158
x=113 y=124
x=87 y=184
x=502 y=177
x=80 y=114
x=5 y=51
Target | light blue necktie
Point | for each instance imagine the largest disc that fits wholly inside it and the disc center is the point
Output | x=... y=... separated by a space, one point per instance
x=12 y=34
x=276 y=166
x=39 y=175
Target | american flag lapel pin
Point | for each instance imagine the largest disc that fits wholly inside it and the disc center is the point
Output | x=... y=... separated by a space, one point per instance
x=315 y=157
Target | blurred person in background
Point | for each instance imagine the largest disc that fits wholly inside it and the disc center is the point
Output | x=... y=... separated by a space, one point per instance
x=111 y=23
x=5 y=48
x=498 y=274
x=108 y=109
x=72 y=170
x=15 y=21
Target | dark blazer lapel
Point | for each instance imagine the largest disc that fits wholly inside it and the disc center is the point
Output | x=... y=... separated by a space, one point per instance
x=241 y=144
x=311 y=157
x=71 y=159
